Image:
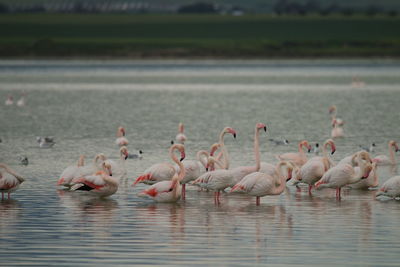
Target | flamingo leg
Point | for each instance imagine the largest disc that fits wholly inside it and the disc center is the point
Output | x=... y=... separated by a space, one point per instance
x=309 y=189
x=183 y=191
x=218 y=193
x=2 y=195
x=257 y=201
x=298 y=189
x=9 y=195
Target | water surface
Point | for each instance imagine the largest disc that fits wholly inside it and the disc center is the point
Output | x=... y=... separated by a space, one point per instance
x=81 y=104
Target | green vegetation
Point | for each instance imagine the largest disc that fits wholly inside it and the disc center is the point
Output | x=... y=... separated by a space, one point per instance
x=141 y=36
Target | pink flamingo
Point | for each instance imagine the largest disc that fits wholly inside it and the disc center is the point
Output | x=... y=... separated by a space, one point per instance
x=121 y=139
x=385 y=160
x=370 y=181
x=297 y=158
x=344 y=174
x=79 y=170
x=260 y=184
x=239 y=172
x=160 y=171
x=391 y=188
x=10 y=100
x=9 y=180
x=332 y=112
x=118 y=167
x=168 y=191
x=101 y=184
x=223 y=156
x=180 y=138
x=337 y=131
x=314 y=168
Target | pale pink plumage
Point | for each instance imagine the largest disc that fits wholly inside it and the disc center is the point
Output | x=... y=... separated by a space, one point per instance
x=298 y=158
x=9 y=180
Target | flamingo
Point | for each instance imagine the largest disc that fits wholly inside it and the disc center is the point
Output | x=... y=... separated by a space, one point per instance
x=118 y=167
x=370 y=181
x=260 y=184
x=332 y=112
x=121 y=139
x=337 y=131
x=168 y=191
x=297 y=158
x=193 y=169
x=9 y=180
x=223 y=155
x=160 y=171
x=10 y=100
x=314 y=168
x=21 y=101
x=385 y=160
x=239 y=172
x=101 y=184
x=391 y=188
x=76 y=171
x=344 y=174
x=180 y=138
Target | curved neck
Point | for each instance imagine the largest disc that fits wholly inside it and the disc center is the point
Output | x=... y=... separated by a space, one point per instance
x=224 y=150
x=181 y=173
x=81 y=161
x=301 y=151
x=257 y=148
x=181 y=129
x=392 y=154
x=202 y=156
x=359 y=173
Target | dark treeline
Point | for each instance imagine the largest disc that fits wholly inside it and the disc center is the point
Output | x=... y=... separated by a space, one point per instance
x=281 y=7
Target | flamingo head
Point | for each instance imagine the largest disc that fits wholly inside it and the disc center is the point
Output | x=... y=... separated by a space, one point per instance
x=306 y=144
x=231 y=131
x=100 y=157
x=394 y=144
x=364 y=155
x=124 y=152
x=210 y=163
x=332 y=109
x=107 y=168
x=261 y=126
x=180 y=148
x=214 y=148
x=290 y=172
x=333 y=146
x=368 y=169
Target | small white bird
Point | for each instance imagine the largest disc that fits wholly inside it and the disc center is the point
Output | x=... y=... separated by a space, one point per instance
x=283 y=141
x=370 y=149
x=23 y=160
x=21 y=101
x=45 y=142
x=138 y=155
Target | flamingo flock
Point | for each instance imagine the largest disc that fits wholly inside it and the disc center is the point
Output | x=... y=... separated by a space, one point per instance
x=211 y=170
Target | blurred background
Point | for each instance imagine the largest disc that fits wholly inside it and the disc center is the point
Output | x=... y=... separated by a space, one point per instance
x=199 y=29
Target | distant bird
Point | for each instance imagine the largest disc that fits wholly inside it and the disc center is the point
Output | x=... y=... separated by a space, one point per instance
x=9 y=180
x=333 y=112
x=337 y=130
x=279 y=142
x=23 y=160
x=370 y=149
x=45 y=142
x=298 y=158
x=180 y=137
x=21 y=102
x=10 y=100
x=121 y=139
x=385 y=160
x=316 y=149
x=138 y=155
x=357 y=82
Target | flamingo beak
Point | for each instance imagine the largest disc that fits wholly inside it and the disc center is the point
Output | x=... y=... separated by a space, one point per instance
x=289 y=175
x=265 y=128
x=182 y=156
x=234 y=135
x=396 y=148
x=309 y=149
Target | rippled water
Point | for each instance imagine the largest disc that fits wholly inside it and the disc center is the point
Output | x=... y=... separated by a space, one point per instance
x=81 y=104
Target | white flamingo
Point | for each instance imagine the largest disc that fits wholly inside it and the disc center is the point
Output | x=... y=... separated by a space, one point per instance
x=298 y=158
x=239 y=172
x=121 y=139
x=260 y=184
x=21 y=101
x=9 y=180
x=180 y=138
x=101 y=184
x=168 y=191
x=223 y=156
x=391 y=188
x=345 y=174
x=160 y=171
x=314 y=168
x=77 y=171
x=382 y=160
x=333 y=112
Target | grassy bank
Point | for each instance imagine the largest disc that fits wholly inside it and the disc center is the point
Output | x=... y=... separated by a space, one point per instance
x=142 y=36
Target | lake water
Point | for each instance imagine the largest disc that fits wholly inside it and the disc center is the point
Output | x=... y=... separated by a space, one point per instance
x=81 y=104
